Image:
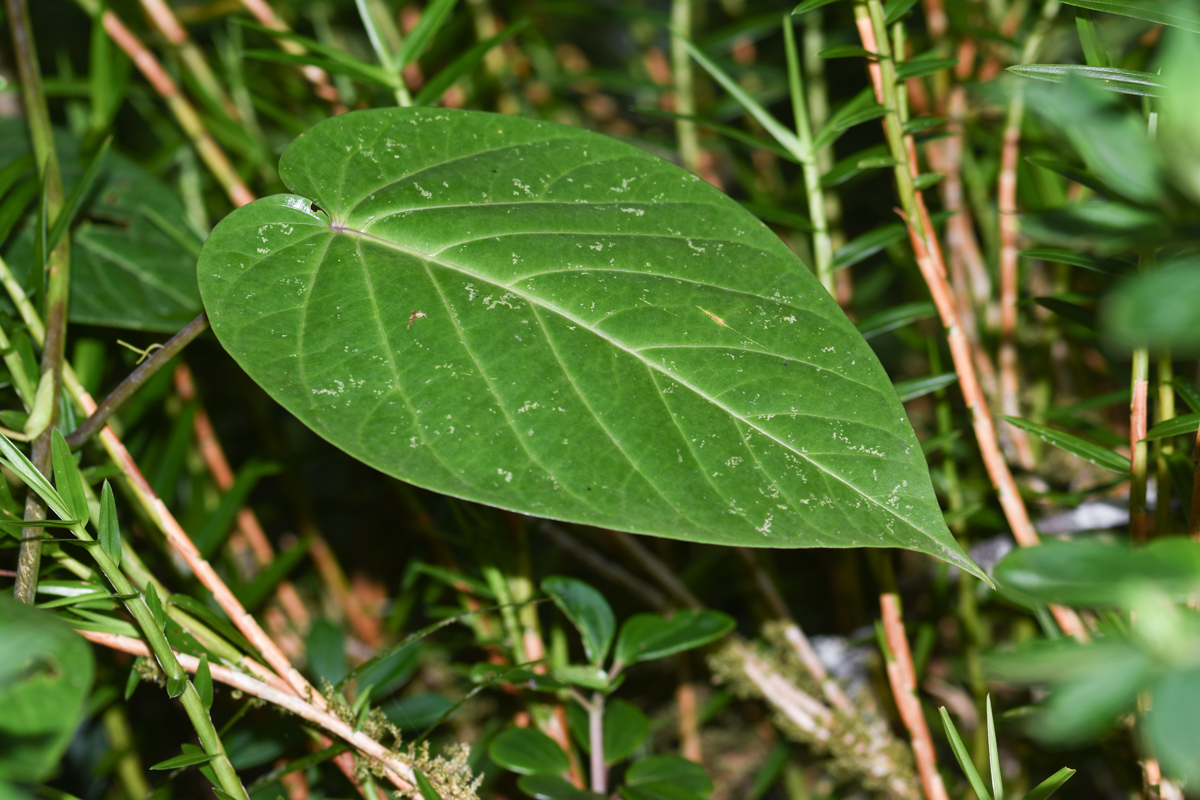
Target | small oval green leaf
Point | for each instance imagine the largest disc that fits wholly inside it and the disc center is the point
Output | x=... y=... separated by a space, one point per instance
x=646 y=637
x=529 y=752
x=588 y=611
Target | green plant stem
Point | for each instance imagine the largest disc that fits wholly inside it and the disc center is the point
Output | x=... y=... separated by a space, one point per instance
x=379 y=35
x=178 y=684
x=134 y=381
x=822 y=245
x=1139 y=389
x=1164 y=449
x=120 y=740
x=18 y=371
x=595 y=712
x=685 y=97
x=58 y=267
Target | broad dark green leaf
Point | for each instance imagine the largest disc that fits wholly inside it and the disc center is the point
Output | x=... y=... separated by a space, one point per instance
x=1051 y=785
x=588 y=611
x=109 y=530
x=45 y=676
x=552 y=787
x=548 y=320
x=133 y=254
x=646 y=637
x=1188 y=423
x=1156 y=308
x=528 y=751
x=1092 y=453
x=79 y=193
x=1122 y=81
x=587 y=676
x=1170 y=12
x=326 y=649
x=687 y=775
x=1089 y=573
x=625 y=728
x=1173 y=723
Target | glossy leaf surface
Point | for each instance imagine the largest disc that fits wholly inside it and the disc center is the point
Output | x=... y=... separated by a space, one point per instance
x=529 y=752
x=45 y=675
x=588 y=611
x=547 y=320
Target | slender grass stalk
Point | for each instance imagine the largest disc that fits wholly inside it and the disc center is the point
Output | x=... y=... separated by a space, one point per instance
x=274 y=693
x=599 y=772
x=58 y=269
x=192 y=57
x=685 y=99
x=377 y=34
x=185 y=114
x=129 y=764
x=1164 y=449
x=822 y=244
x=1139 y=386
x=261 y=10
x=870 y=21
x=1009 y=225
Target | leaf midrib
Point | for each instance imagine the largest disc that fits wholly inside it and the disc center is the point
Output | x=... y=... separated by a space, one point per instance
x=535 y=301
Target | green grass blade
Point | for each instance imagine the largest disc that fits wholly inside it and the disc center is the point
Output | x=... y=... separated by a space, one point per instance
x=964 y=758
x=1050 y=785
x=994 y=754
x=1176 y=426
x=1177 y=15
x=1122 y=81
x=78 y=195
x=1093 y=453
x=432 y=19
x=778 y=131
x=437 y=86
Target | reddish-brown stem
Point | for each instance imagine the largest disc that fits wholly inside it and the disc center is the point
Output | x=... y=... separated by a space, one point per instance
x=1006 y=201
x=323 y=89
x=933 y=268
x=1138 y=520
x=399 y=772
x=903 y=679
x=210 y=152
x=247 y=521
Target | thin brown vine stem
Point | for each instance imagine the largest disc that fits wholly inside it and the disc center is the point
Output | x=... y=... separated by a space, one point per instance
x=903 y=680
x=135 y=380
x=399 y=771
x=1138 y=413
x=58 y=270
x=869 y=19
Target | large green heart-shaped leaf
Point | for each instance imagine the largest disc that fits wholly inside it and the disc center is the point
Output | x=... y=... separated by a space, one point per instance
x=552 y=321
